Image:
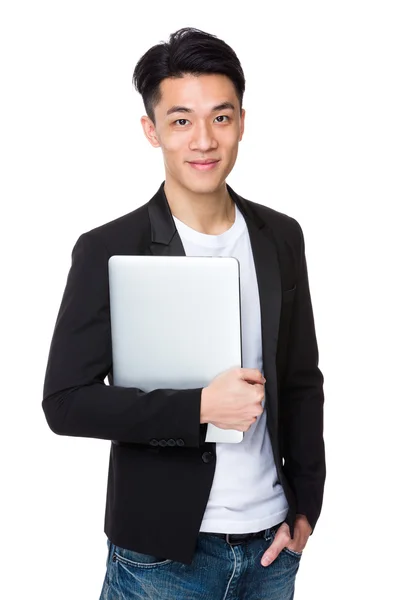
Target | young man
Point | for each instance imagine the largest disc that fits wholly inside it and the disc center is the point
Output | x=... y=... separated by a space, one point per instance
x=187 y=518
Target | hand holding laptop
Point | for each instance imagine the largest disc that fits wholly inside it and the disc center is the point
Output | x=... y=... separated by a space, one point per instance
x=231 y=402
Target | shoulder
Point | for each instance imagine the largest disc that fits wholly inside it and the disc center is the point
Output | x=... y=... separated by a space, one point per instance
x=126 y=233
x=284 y=228
x=272 y=216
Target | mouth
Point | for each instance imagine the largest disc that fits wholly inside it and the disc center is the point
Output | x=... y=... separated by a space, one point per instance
x=204 y=165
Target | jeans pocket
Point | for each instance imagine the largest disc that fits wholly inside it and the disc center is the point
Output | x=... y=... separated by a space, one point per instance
x=270 y=538
x=131 y=558
x=292 y=552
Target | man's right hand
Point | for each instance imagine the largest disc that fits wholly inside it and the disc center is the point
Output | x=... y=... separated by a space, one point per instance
x=233 y=399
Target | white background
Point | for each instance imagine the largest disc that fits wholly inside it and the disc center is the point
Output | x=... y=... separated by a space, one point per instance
x=325 y=142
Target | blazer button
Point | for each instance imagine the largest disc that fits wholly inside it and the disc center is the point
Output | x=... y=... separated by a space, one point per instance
x=163 y=442
x=180 y=442
x=153 y=442
x=207 y=457
x=171 y=442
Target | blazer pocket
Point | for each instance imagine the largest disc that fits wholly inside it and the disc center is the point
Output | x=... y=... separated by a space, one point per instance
x=288 y=295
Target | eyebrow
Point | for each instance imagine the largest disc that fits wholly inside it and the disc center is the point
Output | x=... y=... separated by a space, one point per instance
x=184 y=109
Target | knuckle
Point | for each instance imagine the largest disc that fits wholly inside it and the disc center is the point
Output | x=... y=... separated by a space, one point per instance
x=260 y=394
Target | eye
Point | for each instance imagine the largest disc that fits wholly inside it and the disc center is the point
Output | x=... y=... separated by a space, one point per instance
x=222 y=117
x=181 y=122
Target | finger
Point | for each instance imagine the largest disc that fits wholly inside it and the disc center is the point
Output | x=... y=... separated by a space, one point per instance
x=282 y=536
x=273 y=551
x=251 y=375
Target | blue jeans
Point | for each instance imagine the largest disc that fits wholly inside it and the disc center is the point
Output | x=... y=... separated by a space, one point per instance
x=219 y=571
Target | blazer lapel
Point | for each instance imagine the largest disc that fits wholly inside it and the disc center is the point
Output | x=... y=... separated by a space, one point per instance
x=165 y=240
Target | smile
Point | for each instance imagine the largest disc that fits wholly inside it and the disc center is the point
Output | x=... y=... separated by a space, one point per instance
x=204 y=166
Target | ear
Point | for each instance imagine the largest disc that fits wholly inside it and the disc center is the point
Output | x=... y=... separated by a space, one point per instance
x=150 y=131
x=242 y=117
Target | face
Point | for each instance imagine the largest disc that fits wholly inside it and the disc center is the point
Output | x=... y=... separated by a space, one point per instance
x=197 y=119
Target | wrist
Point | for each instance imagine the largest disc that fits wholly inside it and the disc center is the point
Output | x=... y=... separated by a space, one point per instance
x=303 y=522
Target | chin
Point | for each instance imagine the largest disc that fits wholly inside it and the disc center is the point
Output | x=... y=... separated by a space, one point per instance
x=204 y=187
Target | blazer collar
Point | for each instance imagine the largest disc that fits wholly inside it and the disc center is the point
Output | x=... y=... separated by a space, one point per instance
x=164 y=231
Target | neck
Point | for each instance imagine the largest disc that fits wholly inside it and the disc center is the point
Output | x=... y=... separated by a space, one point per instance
x=211 y=213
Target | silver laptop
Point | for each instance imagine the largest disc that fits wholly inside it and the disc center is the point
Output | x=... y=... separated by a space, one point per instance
x=176 y=323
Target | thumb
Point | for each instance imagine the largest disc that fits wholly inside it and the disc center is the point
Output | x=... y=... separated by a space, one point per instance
x=275 y=548
x=271 y=554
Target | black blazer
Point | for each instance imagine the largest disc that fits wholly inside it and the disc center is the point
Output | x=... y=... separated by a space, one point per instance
x=160 y=468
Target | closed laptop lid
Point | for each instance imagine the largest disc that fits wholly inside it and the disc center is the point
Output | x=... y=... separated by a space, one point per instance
x=175 y=322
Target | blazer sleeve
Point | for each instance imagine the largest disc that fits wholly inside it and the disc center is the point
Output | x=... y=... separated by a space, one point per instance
x=76 y=401
x=302 y=400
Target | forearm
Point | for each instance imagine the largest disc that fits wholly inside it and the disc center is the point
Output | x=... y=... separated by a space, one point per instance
x=304 y=454
x=126 y=414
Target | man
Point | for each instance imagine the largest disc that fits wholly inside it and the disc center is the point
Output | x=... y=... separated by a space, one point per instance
x=187 y=518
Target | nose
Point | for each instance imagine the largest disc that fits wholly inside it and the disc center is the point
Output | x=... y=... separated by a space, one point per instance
x=203 y=138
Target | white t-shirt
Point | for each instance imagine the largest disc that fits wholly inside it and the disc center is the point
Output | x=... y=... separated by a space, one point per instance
x=245 y=496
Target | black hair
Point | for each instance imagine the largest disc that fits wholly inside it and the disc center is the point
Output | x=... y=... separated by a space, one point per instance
x=188 y=51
